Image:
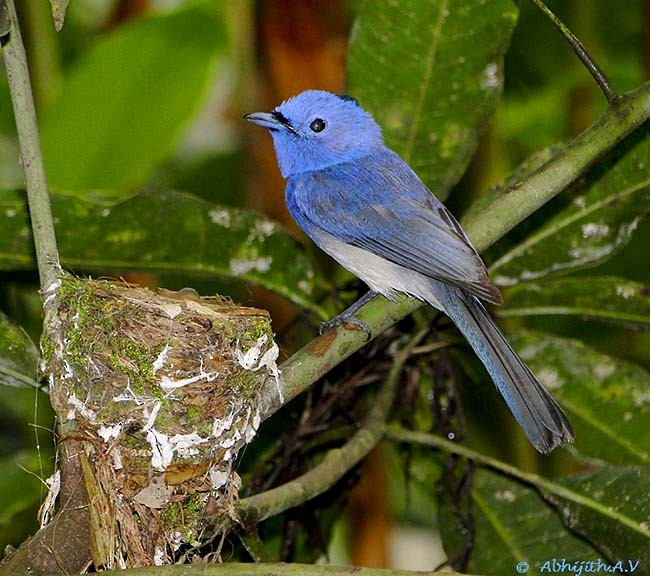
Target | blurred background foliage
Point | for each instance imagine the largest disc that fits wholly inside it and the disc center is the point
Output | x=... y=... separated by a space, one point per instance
x=155 y=178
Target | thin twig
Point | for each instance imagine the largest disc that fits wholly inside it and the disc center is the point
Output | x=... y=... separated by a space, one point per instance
x=336 y=462
x=38 y=197
x=581 y=52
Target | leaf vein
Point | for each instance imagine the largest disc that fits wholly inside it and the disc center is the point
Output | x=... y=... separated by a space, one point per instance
x=426 y=81
x=543 y=234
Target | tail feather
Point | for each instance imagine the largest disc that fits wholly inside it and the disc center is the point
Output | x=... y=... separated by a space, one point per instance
x=538 y=414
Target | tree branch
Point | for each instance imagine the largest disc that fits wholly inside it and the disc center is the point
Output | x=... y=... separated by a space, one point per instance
x=336 y=462
x=38 y=197
x=622 y=117
x=63 y=546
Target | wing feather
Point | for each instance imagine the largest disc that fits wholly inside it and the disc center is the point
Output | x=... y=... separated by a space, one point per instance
x=379 y=204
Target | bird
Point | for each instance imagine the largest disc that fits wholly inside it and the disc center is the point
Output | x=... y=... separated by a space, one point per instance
x=362 y=204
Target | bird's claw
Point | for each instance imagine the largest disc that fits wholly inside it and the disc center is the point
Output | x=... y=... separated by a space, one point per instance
x=346 y=319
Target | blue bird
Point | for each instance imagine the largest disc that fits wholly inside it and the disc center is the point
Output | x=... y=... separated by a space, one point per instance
x=366 y=208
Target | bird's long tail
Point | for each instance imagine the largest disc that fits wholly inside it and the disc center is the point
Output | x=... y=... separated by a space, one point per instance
x=538 y=414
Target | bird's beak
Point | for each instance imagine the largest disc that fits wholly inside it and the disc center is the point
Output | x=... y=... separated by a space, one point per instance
x=272 y=121
x=264 y=119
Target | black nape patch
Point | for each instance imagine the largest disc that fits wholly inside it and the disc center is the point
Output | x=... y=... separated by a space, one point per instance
x=347 y=98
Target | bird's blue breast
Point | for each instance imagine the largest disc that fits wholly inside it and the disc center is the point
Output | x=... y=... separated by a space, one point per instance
x=316 y=201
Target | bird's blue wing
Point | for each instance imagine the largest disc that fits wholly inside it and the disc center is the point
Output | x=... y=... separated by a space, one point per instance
x=379 y=204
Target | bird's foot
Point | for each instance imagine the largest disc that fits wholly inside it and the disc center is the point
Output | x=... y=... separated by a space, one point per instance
x=349 y=319
x=347 y=316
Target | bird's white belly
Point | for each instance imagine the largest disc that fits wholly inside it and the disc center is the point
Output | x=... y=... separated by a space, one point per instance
x=379 y=274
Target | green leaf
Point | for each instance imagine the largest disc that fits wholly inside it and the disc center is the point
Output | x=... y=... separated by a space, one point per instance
x=124 y=104
x=5 y=20
x=18 y=355
x=21 y=491
x=604 y=515
x=606 y=399
x=605 y=298
x=512 y=524
x=430 y=72
x=620 y=526
x=593 y=224
x=163 y=231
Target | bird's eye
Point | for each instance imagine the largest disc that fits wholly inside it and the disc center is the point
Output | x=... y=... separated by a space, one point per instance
x=317 y=125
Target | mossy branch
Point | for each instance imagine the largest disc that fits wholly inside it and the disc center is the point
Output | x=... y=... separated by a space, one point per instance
x=22 y=100
x=622 y=117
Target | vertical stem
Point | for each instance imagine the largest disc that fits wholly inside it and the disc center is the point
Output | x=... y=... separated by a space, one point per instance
x=581 y=52
x=38 y=198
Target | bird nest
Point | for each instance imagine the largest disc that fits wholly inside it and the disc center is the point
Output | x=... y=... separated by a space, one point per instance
x=160 y=390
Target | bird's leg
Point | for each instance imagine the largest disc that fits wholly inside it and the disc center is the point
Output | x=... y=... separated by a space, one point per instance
x=347 y=316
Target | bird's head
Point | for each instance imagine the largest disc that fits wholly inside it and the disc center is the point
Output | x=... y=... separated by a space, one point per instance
x=317 y=129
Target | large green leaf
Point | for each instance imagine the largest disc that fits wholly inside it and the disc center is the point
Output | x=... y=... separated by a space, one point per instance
x=163 y=231
x=607 y=399
x=18 y=355
x=603 y=514
x=620 y=524
x=594 y=223
x=124 y=104
x=512 y=524
x=430 y=72
x=605 y=298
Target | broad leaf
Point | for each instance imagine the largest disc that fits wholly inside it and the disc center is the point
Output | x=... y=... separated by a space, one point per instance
x=595 y=223
x=163 y=231
x=614 y=513
x=18 y=355
x=605 y=298
x=604 y=515
x=430 y=72
x=512 y=524
x=124 y=104
x=606 y=399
